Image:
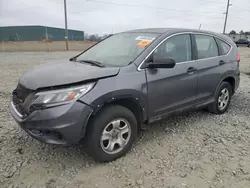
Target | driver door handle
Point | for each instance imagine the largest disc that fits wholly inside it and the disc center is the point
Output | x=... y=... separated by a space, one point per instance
x=191 y=70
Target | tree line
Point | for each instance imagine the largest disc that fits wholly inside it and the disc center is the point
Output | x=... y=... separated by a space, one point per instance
x=233 y=32
x=96 y=37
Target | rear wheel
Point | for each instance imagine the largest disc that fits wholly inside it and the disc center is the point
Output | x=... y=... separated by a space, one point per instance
x=222 y=99
x=111 y=133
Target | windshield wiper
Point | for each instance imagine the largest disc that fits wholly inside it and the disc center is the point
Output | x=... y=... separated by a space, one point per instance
x=95 y=63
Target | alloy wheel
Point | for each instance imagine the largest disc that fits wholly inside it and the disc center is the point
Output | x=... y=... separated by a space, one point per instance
x=115 y=136
x=223 y=99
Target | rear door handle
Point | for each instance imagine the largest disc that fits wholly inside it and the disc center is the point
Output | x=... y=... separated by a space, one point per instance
x=191 y=70
x=222 y=62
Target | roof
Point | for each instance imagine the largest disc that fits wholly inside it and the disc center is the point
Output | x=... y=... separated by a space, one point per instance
x=151 y=30
x=178 y=30
x=164 y=30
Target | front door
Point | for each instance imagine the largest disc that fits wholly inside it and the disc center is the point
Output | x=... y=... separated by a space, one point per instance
x=172 y=89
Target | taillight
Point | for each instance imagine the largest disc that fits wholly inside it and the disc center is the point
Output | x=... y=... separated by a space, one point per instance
x=238 y=57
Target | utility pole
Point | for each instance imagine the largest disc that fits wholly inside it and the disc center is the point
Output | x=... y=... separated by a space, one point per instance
x=46 y=33
x=47 y=38
x=225 y=24
x=17 y=36
x=66 y=25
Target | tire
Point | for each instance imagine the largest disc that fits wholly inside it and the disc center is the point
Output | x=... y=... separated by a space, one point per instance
x=107 y=120
x=215 y=107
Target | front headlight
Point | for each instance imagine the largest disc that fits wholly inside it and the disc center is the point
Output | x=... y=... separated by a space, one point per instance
x=62 y=95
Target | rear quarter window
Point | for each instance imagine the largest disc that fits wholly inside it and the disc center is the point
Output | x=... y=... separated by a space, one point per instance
x=225 y=47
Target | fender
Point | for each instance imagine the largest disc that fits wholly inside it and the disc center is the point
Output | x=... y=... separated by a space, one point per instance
x=228 y=74
x=139 y=97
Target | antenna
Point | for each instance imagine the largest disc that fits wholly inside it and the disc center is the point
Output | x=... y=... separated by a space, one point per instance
x=200 y=26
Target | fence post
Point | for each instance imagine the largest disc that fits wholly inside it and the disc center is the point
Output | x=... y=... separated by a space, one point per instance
x=3 y=47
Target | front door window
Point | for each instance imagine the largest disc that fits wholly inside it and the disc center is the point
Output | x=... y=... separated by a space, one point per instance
x=177 y=47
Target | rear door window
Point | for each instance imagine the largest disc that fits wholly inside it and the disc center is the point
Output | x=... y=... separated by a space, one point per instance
x=225 y=47
x=206 y=46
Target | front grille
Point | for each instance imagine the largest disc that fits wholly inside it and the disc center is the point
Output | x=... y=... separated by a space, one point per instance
x=18 y=97
x=18 y=104
x=22 y=92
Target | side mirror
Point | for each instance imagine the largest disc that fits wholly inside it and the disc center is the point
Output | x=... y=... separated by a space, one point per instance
x=162 y=62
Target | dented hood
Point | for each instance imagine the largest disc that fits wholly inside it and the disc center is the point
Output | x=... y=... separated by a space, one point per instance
x=63 y=72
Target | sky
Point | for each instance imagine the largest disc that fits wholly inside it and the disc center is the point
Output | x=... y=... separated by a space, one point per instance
x=112 y=16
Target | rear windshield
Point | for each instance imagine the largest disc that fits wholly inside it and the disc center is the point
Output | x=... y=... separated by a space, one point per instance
x=120 y=49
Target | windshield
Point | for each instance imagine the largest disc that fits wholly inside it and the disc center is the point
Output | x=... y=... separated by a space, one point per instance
x=118 y=50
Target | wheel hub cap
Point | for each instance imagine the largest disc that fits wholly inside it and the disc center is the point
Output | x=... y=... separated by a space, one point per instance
x=115 y=136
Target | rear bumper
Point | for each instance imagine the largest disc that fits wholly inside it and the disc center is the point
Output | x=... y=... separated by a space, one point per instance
x=61 y=125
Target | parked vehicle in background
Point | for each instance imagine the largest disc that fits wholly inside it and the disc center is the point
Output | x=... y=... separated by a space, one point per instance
x=107 y=93
x=243 y=42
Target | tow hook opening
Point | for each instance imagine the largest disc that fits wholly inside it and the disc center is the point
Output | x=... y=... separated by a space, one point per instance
x=54 y=135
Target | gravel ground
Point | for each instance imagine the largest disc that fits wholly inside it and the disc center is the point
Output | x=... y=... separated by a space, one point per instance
x=198 y=150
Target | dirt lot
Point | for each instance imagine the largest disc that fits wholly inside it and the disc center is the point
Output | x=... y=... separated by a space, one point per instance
x=199 y=150
x=43 y=46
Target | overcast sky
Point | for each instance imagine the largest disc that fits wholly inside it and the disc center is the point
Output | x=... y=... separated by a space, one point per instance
x=93 y=16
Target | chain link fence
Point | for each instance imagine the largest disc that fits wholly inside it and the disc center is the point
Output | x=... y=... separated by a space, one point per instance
x=41 y=38
x=15 y=46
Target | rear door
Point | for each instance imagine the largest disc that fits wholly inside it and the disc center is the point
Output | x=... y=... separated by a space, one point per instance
x=211 y=66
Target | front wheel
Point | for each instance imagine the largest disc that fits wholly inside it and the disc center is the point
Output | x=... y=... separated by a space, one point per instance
x=111 y=133
x=222 y=99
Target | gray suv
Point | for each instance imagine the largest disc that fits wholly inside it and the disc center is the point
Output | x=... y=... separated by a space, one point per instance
x=106 y=94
